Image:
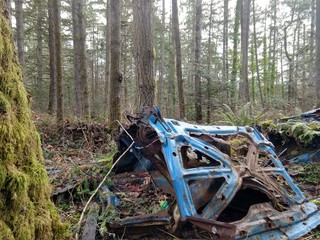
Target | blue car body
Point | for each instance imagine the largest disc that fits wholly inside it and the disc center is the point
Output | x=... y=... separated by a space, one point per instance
x=251 y=198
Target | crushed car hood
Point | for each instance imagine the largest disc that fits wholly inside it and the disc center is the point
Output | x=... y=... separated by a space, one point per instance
x=226 y=181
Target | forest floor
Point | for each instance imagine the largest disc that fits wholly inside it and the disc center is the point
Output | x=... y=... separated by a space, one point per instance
x=78 y=158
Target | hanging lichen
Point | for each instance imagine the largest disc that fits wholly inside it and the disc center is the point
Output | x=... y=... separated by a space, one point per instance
x=26 y=211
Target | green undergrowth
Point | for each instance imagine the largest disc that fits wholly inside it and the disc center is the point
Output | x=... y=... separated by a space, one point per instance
x=26 y=211
x=309 y=173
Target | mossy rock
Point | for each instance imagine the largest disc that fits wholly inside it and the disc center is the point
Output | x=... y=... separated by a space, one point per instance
x=26 y=211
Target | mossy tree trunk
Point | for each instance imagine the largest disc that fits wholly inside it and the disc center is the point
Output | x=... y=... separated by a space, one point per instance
x=26 y=211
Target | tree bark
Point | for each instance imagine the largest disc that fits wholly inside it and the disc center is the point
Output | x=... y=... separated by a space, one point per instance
x=80 y=66
x=161 y=68
x=209 y=105
x=76 y=58
x=82 y=61
x=274 y=60
x=197 y=62
x=225 y=66
x=40 y=20
x=256 y=52
x=245 y=17
x=318 y=52
x=235 y=56
x=59 y=80
x=311 y=65
x=107 y=75
x=52 y=58
x=176 y=32
x=115 y=53
x=143 y=51
x=252 y=70
x=20 y=31
x=172 y=76
x=290 y=57
x=304 y=74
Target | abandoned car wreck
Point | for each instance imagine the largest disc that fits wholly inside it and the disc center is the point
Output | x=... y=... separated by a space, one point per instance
x=222 y=181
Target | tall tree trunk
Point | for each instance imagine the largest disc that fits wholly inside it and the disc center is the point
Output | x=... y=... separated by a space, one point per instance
x=291 y=65
x=143 y=51
x=82 y=61
x=125 y=63
x=290 y=57
x=256 y=52
x=296 y=67
x=107 y=74
x=281 y=70
x=304 y=73
x=115 y=53
x=52 y=57
x=252 y=70
x=225 y=71
x=161 y=69
x=59 y=80
x=265 y=70
x=235 y=56
x=274 y=60
x=175 y=21
x=76 y=58
x=209 y=66
x=197 y=62
x=26 y=209
x=40 y=20
x=311 y=75
x=245 y=19
x=172 y=77
x=318 y=51
x=94 y=67
x=20 y=31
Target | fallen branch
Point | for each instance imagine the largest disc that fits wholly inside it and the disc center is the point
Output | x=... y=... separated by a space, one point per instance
x=101 y=183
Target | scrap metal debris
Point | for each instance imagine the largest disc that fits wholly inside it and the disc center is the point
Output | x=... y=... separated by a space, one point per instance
x=222 y=182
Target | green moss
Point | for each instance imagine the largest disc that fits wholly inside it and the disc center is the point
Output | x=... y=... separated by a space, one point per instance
x=310 y=173
x=5 y=231
x=26 y=211
x=268 y=126
x=3 y=175
x=17 y=182
x=4 y=104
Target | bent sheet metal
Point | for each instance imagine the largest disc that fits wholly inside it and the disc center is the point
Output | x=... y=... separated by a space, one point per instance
x=225 y=181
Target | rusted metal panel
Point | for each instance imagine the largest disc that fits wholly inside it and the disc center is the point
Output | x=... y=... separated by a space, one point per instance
x=242 y=191
x=221 y=230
